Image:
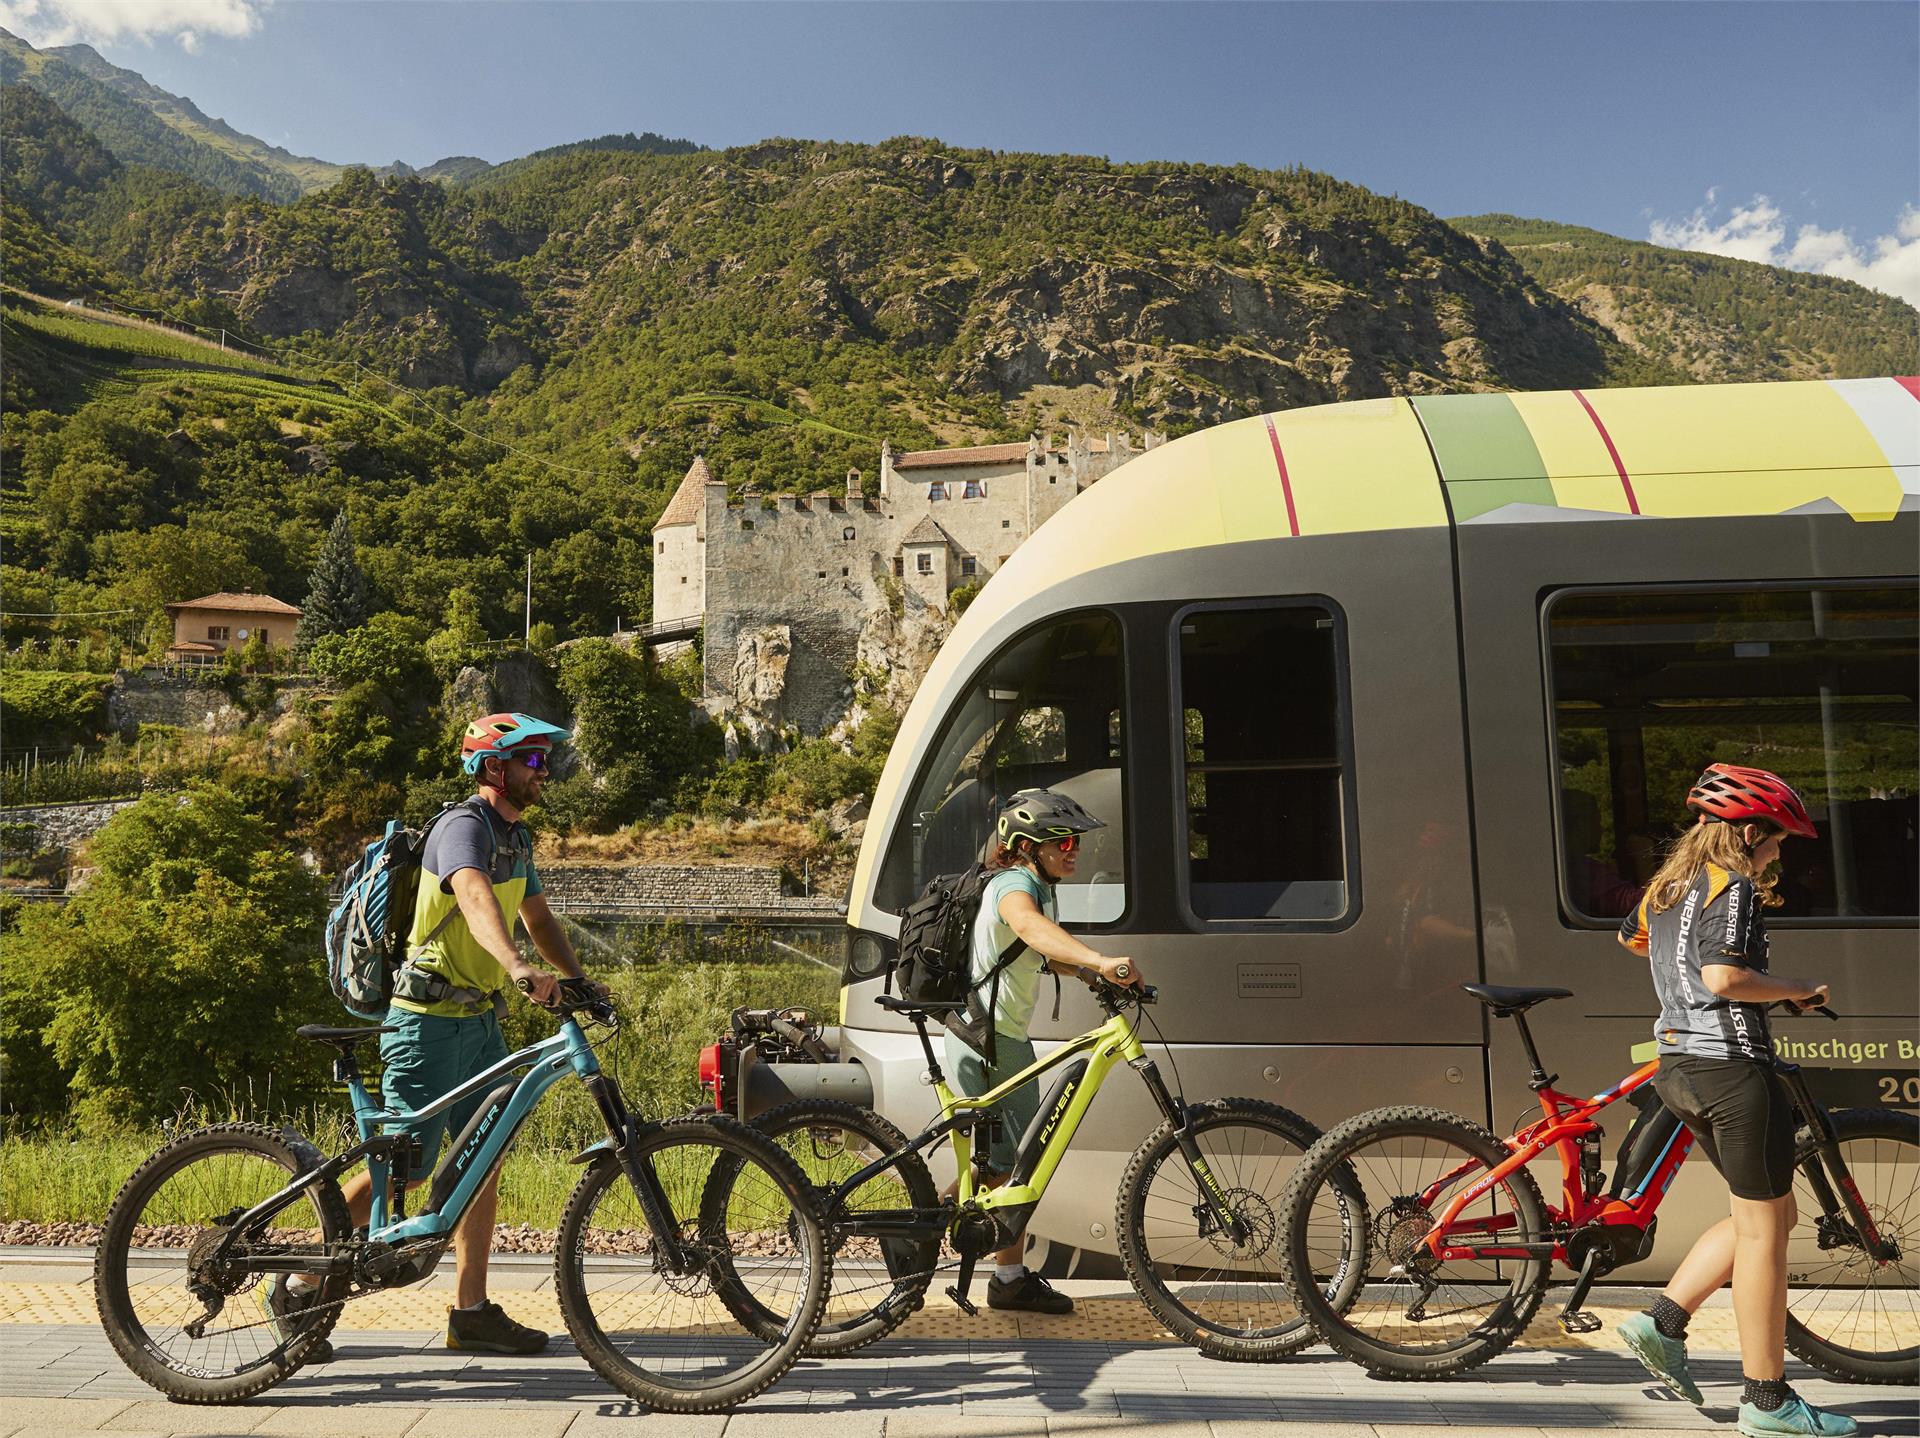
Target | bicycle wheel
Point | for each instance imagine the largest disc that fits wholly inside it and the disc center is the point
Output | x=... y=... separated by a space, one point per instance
x=1365 y=1197
x=194 y=1331
x=667 y=1338
x=876 y=1283
x=1847 y=1315
x=1226 y=1299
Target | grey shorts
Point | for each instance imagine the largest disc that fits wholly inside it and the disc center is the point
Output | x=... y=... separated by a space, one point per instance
x=973 y=1075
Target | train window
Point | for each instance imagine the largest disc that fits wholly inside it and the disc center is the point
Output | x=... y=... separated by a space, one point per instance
x=1816 y=684
x=1042 y=713
x=1265 y=775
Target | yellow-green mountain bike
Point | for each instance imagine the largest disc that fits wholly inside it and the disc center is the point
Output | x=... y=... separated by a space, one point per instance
x=1196 y=1215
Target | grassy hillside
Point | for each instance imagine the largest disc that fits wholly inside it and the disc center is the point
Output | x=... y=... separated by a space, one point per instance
x=1709 y=317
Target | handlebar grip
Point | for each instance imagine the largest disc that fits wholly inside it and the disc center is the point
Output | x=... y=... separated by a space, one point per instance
x=1122 y=973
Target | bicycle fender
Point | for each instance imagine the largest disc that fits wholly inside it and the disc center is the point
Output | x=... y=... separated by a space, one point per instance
x=593 y=1152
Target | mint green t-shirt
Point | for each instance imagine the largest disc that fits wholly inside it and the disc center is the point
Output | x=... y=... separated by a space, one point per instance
x=1019 y=980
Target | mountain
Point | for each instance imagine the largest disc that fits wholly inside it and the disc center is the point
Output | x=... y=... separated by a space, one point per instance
x=142 y=124
x=1708 y=317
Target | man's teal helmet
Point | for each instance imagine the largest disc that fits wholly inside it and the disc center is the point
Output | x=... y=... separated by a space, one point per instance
x=499 y=735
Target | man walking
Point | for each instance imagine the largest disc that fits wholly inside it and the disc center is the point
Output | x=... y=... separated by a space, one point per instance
x=476 y=877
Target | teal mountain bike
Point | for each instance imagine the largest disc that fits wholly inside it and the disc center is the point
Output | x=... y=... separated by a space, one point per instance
x=206 y=1224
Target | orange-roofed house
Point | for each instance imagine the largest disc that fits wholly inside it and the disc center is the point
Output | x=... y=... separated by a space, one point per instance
x=207 y=627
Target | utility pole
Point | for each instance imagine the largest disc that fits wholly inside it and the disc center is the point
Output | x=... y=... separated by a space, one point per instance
x=526 y=639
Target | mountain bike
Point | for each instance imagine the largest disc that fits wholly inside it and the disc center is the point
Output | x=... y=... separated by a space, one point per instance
x=1197 y=1211
x=1444 y=1258
x=212 y=1216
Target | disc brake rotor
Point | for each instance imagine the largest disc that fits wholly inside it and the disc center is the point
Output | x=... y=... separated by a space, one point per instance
x=1257 y=1216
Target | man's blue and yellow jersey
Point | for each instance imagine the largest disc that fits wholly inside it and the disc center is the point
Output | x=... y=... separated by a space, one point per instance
x=472 y=836
x=1717 y=922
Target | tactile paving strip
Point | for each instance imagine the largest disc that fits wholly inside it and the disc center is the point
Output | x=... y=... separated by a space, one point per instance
x=1120 y=1319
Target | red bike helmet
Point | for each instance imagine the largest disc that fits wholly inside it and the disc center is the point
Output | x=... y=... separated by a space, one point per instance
x=1732 y=793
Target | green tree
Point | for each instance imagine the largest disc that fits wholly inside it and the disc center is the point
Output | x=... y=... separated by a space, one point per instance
x=388 y=650
x=462 y=639
x=337 y=598
x=180 y=969
x=632 y=728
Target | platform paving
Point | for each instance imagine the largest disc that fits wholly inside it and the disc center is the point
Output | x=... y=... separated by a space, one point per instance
x=61 y=1379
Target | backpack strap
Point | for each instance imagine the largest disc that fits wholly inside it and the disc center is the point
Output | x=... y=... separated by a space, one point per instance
x=427 y=986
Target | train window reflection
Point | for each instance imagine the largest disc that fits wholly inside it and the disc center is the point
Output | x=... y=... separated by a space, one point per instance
x=1043 y=713
x=1818 y=685
x=1263 y=738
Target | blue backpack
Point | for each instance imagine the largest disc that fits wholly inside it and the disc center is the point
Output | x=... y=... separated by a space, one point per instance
x=366 y=937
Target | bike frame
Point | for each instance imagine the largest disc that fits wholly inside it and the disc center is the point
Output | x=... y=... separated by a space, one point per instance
x=1566 y=1120
x=1041 y=1149
x=387 y=1132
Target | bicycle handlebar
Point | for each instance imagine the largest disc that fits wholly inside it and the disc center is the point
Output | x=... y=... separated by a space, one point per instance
x=1788 y=1006
x=575 y=996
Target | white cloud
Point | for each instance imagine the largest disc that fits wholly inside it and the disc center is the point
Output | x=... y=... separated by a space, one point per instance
x=1758 y=231
x=68 y=22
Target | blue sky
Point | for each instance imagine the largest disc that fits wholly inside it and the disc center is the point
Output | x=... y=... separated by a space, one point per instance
x=1780 y=131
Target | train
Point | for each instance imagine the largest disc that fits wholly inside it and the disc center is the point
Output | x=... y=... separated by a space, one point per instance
x=1383 y=697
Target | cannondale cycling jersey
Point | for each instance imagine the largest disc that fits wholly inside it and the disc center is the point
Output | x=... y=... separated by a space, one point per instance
x=1717 y=922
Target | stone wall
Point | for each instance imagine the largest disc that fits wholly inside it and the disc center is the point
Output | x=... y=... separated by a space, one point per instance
x=186 y=701
x=674 y=889
x=62 y=826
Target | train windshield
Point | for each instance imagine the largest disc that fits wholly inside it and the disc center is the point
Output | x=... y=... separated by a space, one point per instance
x=1818 y=685
x=1045 y=712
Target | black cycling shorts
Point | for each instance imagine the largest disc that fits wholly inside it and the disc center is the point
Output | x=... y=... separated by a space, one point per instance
x=1741 y=1115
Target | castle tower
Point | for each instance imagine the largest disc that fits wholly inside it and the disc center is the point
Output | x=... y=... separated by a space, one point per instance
x=679 y=548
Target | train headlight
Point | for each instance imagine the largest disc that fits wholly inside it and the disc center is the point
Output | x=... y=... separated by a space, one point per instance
x=868 y=956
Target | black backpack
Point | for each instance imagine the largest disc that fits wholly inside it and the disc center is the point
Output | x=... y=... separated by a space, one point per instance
x=936 y=941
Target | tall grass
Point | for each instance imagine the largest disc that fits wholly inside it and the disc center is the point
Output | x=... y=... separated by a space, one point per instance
x=669 y=1012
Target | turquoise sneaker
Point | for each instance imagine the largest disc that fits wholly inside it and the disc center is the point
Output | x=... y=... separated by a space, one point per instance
x=1796 y=1415
x=1665 y=1358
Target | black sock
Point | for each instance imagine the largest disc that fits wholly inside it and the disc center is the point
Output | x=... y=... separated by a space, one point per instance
x=1669 y=1317
x=1766 y=1394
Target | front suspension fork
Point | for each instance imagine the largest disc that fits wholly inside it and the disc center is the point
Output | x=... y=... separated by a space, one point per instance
x=1213 y=1198
x=669 y=1251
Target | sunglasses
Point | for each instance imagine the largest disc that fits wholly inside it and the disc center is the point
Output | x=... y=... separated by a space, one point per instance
x=535 y=760
x=1068 y=844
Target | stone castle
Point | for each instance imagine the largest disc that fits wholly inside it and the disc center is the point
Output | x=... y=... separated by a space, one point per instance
x=798 y=593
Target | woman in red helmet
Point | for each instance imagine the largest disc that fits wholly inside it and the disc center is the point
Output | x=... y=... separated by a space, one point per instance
x=1700 y=926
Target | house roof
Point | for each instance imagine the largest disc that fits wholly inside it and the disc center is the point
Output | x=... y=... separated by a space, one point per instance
x=975 y=454
x=926 y=532
x=245 y=603
x=689 y=501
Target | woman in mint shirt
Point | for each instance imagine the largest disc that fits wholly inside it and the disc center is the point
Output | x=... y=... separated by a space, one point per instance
x=1037 y=845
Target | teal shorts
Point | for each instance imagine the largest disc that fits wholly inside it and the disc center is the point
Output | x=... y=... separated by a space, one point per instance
x=972 y=1075
x=429 y=1056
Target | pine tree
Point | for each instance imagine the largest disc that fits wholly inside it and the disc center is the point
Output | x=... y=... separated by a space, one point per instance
x=337 y=598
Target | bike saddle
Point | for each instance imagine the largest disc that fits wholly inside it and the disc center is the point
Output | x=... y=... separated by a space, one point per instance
x=1503 y=1000
x=343 y=1039
x=895 y=1004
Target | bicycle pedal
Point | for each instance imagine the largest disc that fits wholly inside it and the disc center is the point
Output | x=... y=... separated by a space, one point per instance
x=965 y=1303
x=1579 y=1321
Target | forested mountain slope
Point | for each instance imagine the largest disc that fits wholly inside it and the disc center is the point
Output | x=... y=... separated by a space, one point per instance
x=1709 y=317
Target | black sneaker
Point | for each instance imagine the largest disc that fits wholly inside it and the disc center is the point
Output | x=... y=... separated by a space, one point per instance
x=1029 y=1293
x=487 y=1329
x=285 y=1308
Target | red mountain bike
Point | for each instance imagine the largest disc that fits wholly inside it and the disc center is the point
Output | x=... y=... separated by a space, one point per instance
x=1443 y=1258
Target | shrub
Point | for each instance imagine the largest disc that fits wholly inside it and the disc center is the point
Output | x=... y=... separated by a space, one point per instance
x=52 y=709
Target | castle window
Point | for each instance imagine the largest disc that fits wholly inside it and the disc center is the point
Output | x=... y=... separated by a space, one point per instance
x=936 y=490
x=847 y=533
x=663 y=546
x=683 y=579
x=1006 y=524
x=899 y=567
x=967 y=566
x=974 y=490
x=843 y=571
x=822 y=574
x=1053 y=479
x=923 y=563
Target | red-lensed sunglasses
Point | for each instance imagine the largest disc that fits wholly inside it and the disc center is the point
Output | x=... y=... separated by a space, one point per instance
x=1068 y=844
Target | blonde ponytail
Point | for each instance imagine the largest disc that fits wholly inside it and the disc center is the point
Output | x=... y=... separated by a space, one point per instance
x=1704 y=844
